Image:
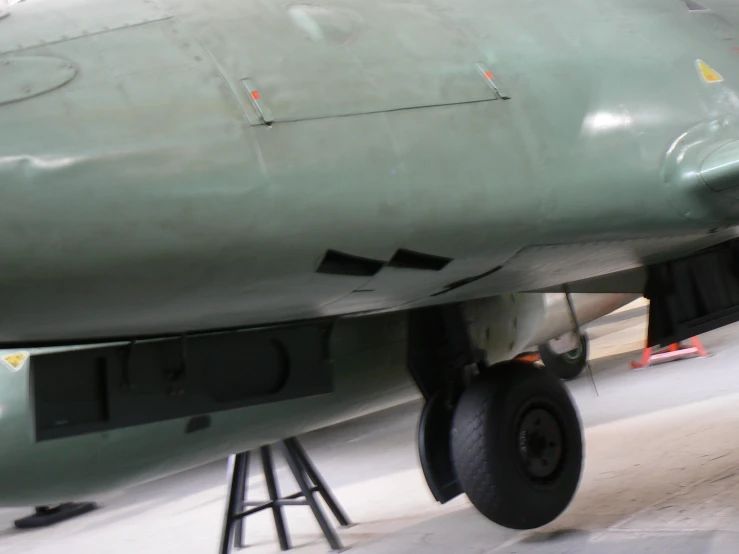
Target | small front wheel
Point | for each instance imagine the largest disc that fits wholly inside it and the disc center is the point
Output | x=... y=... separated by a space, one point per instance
x=568 y=365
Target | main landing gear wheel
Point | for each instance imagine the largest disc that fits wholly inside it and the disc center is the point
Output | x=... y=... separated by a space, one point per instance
x=517 y=445
x=568 y=365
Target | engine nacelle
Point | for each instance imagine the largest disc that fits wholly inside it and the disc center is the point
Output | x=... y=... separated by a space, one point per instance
x=505 y=325
x=588 y=307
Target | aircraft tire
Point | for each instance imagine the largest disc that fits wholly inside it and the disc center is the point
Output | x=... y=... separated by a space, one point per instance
x=517 y=445
x=569 y=365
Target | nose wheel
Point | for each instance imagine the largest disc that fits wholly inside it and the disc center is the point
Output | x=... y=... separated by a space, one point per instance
x=567 y=365
x=517 y=445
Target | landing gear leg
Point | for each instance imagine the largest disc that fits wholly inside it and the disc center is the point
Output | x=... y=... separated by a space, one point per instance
x=440 y=357
x=517 y=445
x=508 y=435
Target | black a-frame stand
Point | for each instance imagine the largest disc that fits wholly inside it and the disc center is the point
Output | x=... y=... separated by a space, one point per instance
x=307 y=478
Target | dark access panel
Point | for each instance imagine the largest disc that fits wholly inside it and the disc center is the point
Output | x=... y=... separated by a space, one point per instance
x=89 y=390
x=693 y=294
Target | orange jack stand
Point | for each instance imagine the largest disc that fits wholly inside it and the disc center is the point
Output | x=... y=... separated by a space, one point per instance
x=674 y=351
x=530 y=357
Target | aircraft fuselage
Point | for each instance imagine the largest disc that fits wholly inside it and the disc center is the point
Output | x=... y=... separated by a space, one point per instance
x=168 y=167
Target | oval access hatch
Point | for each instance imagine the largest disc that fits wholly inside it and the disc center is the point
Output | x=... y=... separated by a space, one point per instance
x=23 y=77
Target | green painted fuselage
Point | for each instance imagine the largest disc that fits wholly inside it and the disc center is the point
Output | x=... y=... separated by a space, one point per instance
x=170 y=167
x=143 y=192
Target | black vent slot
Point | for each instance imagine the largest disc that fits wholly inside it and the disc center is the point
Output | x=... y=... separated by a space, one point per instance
x=338 y=263
x=409 y=259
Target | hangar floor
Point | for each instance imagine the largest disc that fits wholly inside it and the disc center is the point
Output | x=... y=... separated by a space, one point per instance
x=661 y=475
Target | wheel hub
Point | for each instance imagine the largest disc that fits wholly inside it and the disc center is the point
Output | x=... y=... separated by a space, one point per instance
x=540 y=443
x=573 y=355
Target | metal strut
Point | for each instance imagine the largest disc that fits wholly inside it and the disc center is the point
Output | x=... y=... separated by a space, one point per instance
x=307 y=478
x=577 y=328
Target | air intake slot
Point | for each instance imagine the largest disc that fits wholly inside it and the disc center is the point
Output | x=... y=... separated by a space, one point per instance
x=409 y=259
x=338 y=263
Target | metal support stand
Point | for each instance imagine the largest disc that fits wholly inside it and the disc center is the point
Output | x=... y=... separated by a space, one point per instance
x=44 y=516
x=307 y=478
x=672 y=352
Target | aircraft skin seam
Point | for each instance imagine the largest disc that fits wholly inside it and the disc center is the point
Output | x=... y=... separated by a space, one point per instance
x=87 y=35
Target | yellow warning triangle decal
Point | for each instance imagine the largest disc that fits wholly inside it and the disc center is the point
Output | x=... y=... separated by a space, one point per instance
x=16 y=360
x=709 y=74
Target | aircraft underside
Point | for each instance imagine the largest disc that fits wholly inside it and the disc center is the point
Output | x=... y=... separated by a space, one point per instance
x=135 y=305
x=212 y=239
x=205 y=394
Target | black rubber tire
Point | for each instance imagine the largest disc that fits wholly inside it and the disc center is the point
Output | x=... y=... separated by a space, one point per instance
x=566 y=366
x=486 y=445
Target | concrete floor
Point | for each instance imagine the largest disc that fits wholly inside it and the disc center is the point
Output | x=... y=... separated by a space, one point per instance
x=661 y=475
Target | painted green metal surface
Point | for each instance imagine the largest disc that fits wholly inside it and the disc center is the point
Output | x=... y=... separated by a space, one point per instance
x=148 y=196
x=22 y=78
x=206 y=155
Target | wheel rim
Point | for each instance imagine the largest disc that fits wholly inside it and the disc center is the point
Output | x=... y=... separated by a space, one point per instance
x=573 y=356
x=540 y=444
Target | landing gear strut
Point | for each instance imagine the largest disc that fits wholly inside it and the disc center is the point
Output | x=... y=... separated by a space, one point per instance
x=508 y=435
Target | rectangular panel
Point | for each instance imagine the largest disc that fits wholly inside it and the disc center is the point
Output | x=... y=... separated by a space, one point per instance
x=69 y=394
x=90 y=390
x=390 y=86
x=693 y=295
x=311 y=62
